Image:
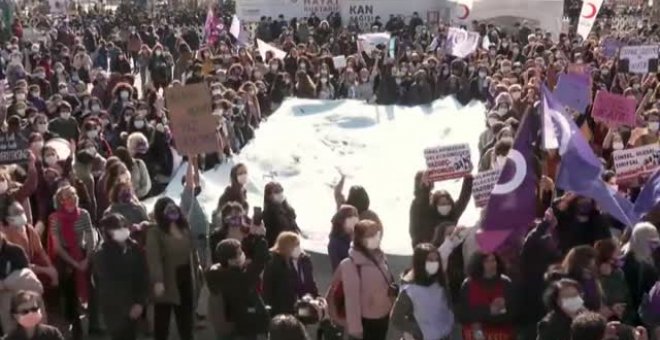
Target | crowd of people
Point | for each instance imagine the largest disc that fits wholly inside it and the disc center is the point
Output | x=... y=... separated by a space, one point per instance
x=80 y=255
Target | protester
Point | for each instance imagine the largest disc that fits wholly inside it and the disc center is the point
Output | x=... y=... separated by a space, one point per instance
x=423 y=308
x=564 y=302
x=278 y=215
x=121 y=275
x=172 y=269
x=341 y=234
x=26 y=308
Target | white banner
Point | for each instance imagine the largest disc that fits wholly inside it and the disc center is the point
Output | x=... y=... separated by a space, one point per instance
x=590 y=9
x=264 y=47
x=235 y=28
x=364 y=12
x=640 y=59
x=253 y=10
x=369 y=41
x=461 y=43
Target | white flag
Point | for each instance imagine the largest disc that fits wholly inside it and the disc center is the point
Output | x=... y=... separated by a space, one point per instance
x=367 y=42
x=588 y=16
x=461 y=43
x=235 y=28
x=264 y=47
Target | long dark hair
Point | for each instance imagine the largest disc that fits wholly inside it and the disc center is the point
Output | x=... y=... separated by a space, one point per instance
x=161 y=219
x=420 y=256
x=358 y=197
x=475 y=268
x=345 y=211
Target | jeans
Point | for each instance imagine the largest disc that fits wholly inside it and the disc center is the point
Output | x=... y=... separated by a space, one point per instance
x=183 y=312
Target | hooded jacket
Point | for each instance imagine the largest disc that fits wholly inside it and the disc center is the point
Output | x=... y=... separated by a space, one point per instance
x=366 y=289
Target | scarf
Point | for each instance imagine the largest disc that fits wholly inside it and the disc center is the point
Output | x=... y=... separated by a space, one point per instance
x=67 y=221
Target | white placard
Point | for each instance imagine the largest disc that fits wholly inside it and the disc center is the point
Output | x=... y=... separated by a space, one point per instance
x=339 y=62
x=640 y=57
x=632 y=163
x=483 y=185
x=448 y=162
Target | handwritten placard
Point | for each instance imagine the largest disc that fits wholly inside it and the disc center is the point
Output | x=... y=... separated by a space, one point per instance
x=14 y=148
x=484 y=182
x=639 y=59
x=192 y=124
x=448 y=162
x=339 y=62
x=632 y=163
x=613 y=109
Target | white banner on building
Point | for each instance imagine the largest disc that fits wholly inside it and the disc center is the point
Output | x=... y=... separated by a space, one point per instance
x=253 y=10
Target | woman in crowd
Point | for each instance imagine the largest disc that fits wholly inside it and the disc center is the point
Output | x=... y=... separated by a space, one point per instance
x=341 y=234
x=616 y=295
x=580 y=265
x=288 y=276
x=278 y=215
x=140 y=178
x=172 y=269
x=236 y=191
x=423 y=308
x=368 y=284
x=357 y=197
x=121 y=276
x=124 y=203
x=638 y=261
x=236 y=309
x=71 y=233
x=286 y=327
x=26 y=309
x=486 y=307
x=564 y=302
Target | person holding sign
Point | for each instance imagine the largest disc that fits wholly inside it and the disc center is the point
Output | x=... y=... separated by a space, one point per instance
x=428 y=211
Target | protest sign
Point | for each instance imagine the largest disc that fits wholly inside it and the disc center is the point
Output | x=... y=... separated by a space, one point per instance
x=461 y=43
x=447 y=162
x=638 y=59
x=583 y=69
x=614 y=109
x=572 y=90
x=368 y=42
x=632 y=163
x=610 y=46
x=193 y=126
x=339 y=62
x=264 y=47
x=484 y=182
x=14 y=148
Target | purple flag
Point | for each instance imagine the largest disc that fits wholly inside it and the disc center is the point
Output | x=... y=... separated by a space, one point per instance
x=649 y=197
x=580 y=170
x=512 y=203
x=573 y=91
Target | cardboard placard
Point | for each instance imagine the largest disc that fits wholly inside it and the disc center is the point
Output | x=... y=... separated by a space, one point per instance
x=573 y=91
x=484 y=182
x=448 y=162
x=14 y=148
x=613 y=109
x=339 y=62
x=632 y=163
x=193 y=126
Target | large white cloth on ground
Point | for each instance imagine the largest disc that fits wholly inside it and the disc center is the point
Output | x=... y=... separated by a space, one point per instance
x=306 y=143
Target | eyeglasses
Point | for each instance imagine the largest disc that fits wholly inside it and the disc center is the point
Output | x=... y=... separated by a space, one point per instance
x=28 y=311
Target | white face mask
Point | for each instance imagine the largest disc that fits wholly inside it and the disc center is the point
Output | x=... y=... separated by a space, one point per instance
x=349 y=224
x=572 y=305
x=92 y=134
x=278 y=198
x=96 y=108
x=432 y=267
x=42 y=128
x=653 y=126
x=443 y=209
x=482 y=74
x=51 y=159
x=373 y=242
x=617 y=145
x=20 y=96
x=138 y=124
x=296 y=252
x=120 y=235
x=516 y=95
x=65 y=114
x=501 y=111
x=17 y=221
x=123 y=95
x=242 y=179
